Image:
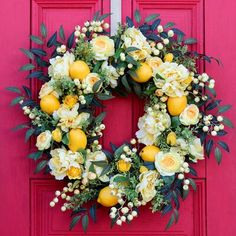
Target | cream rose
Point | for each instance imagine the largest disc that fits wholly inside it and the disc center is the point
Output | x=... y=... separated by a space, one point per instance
x=196 y=150
x=174 y=79
x=190 y=115
x=154 y=62
x=90 y=81
x=103 y=47
x=46 y=89
x=147 y=184
x=59 y=67
x=44 y=140
x=167 y=164
x=111 y=74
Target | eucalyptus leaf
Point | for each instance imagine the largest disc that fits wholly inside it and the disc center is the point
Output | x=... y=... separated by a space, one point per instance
x=35 y=155
x=29 y=54
x=225 y=108
x=224 y=145
x=27 y=67
x=104 y=96
x=218 y=155
x=52 y=40
x=41 y=165
x=43 y=30
x=97 y=86
x=209 y=146
x=74 y=221
x=137 y=16
x=190 y=41
x=151 y=17
x=62 y=33
x=171 y=221
x=28 y=134
x=85 y=222
x=14 y=89
x=16 y=100
x=100 y=118
x=36 y=39
x=104 y=16
x=92 y=212
x=228 y=122
x=168 y=25
x=70 y=40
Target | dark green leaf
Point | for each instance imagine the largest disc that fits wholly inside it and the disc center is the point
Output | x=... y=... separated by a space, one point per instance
x=52 y=40
x=176 y=212
x=29 y=54
x=129 y=22
x=168 y=25
x=193 y=184
x=185 y=193
x=103 y=96
x=28 y=134
x=16 y=100
x=97 y=86
x=38 y=52
x=171 y=221
x=209 y=146
x=27 y=91
x=131 y=60
x=168 y=179
x=212 y=105
x=175 y=122
x=35 y=74
x=218 y=155
x=105 y=170
x=85 y=221
x=100 y=118
x=27 y=67
x=41 y=165
x=224 y=145
x=137 y=89
x=228 y=122
x=62 y=33
x=35 y=155
x=22 y=126
x=137 y=16
x=104 y=16
x=211 y=90
x=70 y=40
x=155 y=24
x=43 y=30
x=100 y=163
x=65 y=139
x=151 y=17
x=224 y=108
x=190 y=41
x=125 y=83
x=131 y=49
x=74 y=221
x=92 y=212
x=96 y=15
x=120 y=178
x=14 y=89
x=221 y=133
x=36 y=39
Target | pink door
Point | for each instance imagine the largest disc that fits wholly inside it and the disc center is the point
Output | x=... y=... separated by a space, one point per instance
x=25 y=197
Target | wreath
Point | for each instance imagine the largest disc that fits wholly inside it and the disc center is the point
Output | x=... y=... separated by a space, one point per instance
x=154 y=62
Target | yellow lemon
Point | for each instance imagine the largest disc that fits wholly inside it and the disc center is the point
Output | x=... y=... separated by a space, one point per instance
x=171 y=138
x=149 y=152
x=123 y=166
x=74 y=173
x=176 y=105
x=143 y=169
x=57 y=135
x=105 y=197
x=77 y=140
x=143 y=73
x=169 y=57
x=79 y=70
x=49 y=104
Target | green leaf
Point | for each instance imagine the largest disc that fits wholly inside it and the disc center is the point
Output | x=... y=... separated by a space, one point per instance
x=137 y=89
x=27 y=91
x=14 y=89
x=28 y=134
x=193 y=184
x=137 y=16
x=209 y=146
x=171 y=221
x=120 y=178
x=43 y=30
x=92 y=212
x=168 y=25
x=100 y=118
x=62 y=33
x=124 y=81
x=211 y=90
x=176 y=212
x=36 y=39
x=175 y=122
x=131 y=49
x=131 y=60
x=96 y=15
x=100 y=163
x=190 y=41
x=52 y=40
x=35 y=155
x=27 y=67
x=228 y=122
x=185 y=193
x=97 y=86
x=103 y=96
x=70 y=40
x=104 y=16
x=22 y=126
x=74 y=221
x=29 y=54
x=16 y=100
x=105 y=170
x=224 y=108
x=224 y=145
x=168 y=179
x=85 y=221
x=41 y=165
x=151 y=17
x=218 y=155
x=65 y=139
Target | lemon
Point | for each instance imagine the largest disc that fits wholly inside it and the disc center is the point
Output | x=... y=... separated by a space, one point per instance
x=57 y=135
x=143 y=73
x=105 y=197
x=149 y=152
x=77 y=140
x=169 y=57
x=176 y=105
x=49 y=104
x=171 y=138
x=79 y=70
x=123 y=166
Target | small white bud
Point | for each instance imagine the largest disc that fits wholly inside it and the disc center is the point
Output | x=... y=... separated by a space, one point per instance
x=186 y=181
x=185 y=165
x=106 y=26
x=130 y=217
x=119 y=222
x=63 y=208
x=130 y=65
x=205 y=128
x=180 y=176
x=216 y=128
x=185 y=187
x=160 y=46
x=213 y=133
x=123 y=218
x=170 y=33
x=52 y=204
x=219 y=118
x=134 y=213
x=160 y=28
x=166 y=41
x=76 y=191
x=156 y=52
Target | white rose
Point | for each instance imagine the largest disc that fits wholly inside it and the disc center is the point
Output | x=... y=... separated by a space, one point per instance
x=59 y=67
x=103 y=47
x=147 y=185
x=90 y=80
x=167 y=164
x=111 y=74
x=190 y=115
x=196 y=149
x=44 y=140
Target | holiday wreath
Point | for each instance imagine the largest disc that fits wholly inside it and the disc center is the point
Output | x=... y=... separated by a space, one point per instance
x=155 y=167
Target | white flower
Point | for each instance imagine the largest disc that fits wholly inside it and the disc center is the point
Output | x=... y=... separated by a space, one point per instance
x=44 y=140
x=147 y=185
x=190 y=115
x=174 y=79
x=46 y=89
x=111 y=74
x=62 y=162
x=69 y=118
x=90 y=80
x=93 y=157
x=151 y=125
x=196 y=150
x=167 y=164
x=134 y=38
x=59 y=67
x=103 y=47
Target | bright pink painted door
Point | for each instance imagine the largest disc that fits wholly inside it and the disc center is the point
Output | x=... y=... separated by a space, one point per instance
x=24 y=196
